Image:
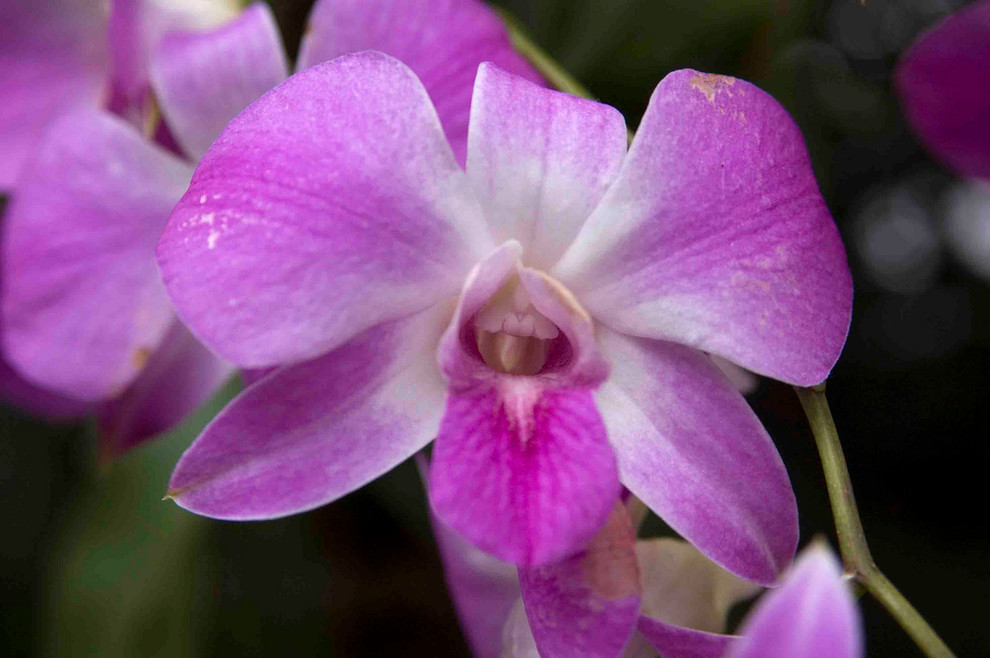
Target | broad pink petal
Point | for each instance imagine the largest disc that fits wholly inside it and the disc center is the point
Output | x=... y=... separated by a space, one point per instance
x=83 y=306
x=203 y=79
x=587 y=604
x=812 y=615
x=686 y=599
x=180 y=376
x=691 y=449
x=136 y=27
x=309 y=433
x=483 y=588
x=539 y=160
x=52 y=60
x=442 y=41
x=328 y=206
x=522 y=467
x=734 y=253
x=251 y=376
x=942 y=83
x=22 y=394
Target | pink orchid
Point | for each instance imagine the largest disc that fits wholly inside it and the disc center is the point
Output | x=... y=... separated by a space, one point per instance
x=59 y=57
x=544 y=312
x=941 y=83
x=84 y=313
x=946 y=104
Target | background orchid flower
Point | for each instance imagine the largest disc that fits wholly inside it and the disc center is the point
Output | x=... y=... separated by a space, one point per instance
x=948 y=113
x=330 y=232
x=84 y=312
x=57 y=56
x=944 y=104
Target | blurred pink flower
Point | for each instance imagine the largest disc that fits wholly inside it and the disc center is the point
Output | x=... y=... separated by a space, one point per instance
x=941 y=79
x=84 y=313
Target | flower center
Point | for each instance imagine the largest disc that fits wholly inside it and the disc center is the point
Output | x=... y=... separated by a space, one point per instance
x=512 y=336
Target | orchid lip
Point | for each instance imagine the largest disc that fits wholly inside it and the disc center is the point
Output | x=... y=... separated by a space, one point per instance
x=512 y=336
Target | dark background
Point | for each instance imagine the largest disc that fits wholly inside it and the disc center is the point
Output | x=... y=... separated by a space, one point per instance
x=93 y=563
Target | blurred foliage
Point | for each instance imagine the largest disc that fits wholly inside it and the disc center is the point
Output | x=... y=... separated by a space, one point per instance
x=92 y=562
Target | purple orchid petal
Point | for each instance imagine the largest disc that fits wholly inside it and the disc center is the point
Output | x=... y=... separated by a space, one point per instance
x=181 y=375
x=20 y=393
x=328 y=206
x=52 y=60
x=203 y=79
x=442 y=41
x=686 y=599
x=736 y=254
x=251 y=376
x=136 y=27
x=539 y=160
x=307 y=434
x=691 y=449
x=587 y=604
x=812 y=615
x=678 y=642
x=522 y=466
x=83 y=306
x=941 y=82
x=483 y=588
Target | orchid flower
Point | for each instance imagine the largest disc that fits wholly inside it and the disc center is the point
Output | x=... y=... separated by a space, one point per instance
x=940 y=83
x=57 y=57
x=949 y=113
x=544 y=312
x=623 y=597
x=84 y=313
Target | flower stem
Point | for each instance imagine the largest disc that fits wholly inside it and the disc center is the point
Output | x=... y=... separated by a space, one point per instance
x=549 y=69
x=852 y=541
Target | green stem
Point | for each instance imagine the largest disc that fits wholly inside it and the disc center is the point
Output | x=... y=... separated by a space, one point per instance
x=549 y=69
x=852 y=541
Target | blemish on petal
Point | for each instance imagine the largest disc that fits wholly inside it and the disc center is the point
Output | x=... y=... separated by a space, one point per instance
x=141 y=357
x=211 y=239
x=610 y=567
x=712 y=84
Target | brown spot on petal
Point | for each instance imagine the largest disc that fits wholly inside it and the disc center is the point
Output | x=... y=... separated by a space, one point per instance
x=140 y=357
x=711 y=84
x=610 y=566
